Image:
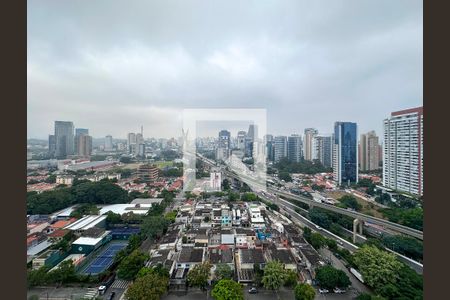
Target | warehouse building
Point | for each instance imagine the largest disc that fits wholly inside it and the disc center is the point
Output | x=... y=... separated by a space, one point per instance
x=86 y=223
x=87 y=244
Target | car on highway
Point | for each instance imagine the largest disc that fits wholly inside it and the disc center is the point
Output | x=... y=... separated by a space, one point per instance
x=338 y=291
x=324 y=291
x=253 y=290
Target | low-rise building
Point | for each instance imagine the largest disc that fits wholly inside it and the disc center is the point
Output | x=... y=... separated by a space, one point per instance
x=65 y=179
x=48 y=258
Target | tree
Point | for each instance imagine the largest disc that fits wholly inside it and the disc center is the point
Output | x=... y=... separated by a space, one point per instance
x=304 y=291
x=154 y=226
x=125 y=159
x=377 y=267
x=349 y=201
x=85 y=209
x=171 y=216
x=225 y=184
x=258 y=274
x=50 y=179
x=159 y=270
x=223 y=271
x=113 y=218
x=274 y=275
x=233 y=196
x=37 y=277
x=148 y=287
x=199 y=274
x=64 y=274
x=331 y=244
x=366 y=296
x=248 y=197
x=130 y=265
x=285 y=176
x=291 y=278
x=317 y=240
x=320 y=218
x=330 y=278
x=227 y=289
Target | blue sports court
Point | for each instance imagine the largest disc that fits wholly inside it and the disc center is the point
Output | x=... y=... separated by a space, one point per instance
x=104 y=260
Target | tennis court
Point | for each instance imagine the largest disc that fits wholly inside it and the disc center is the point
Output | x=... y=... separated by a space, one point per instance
x=104 y=259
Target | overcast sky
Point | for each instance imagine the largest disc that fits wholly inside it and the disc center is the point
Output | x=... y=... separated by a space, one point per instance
x=112 y=66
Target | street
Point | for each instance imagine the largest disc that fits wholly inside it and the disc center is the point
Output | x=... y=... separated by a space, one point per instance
x=357 y=285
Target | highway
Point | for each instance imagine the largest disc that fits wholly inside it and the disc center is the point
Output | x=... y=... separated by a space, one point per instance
x=354 y=214
x=290 y=209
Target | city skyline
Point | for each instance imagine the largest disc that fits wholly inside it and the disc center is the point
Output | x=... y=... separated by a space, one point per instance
x=308 y=66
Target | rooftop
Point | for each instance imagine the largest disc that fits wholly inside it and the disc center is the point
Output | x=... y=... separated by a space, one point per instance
x=146 y=200
x=251 y=256
x=90 y=240
x=218 y=256
x=189 y=254
x=86 y=222
x=139 y=209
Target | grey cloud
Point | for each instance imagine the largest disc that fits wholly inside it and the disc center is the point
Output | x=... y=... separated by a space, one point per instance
x=112 y=65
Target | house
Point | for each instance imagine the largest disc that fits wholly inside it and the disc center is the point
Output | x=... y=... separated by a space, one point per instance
x=215 y=239
x=221 y=255
x=249 y=257
x=290 y=230
x=183 y=217
x=201 y=240
x=226 y=218
x=58 y=235
x=162 y=257
x=283 y=255
x=65 y=179
x=311 y=258
x=187 y=258
x=216 y=217
x=227 y=238
x=169 y=240
x=246 y=259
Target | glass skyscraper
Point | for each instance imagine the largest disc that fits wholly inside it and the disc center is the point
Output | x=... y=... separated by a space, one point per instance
x=345 y=153
x=64 y=139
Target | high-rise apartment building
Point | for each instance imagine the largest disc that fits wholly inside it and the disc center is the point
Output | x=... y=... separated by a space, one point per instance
x=84 y=145
x=345 y=153
x=294 y=148
x=323 y=149
x=148 y=173
x=241 y=140
x=308 y=140
x=51 y=145
x=223 y=147
x=270 y=153
x=131 y=142
x=369 y=151
x=108 y=143
x=64 y=139
x=79 y=131
x=403 y=151
x=280 y=148
x=250 y=138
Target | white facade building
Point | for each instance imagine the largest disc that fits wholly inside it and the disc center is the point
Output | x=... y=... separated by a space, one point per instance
x=403 y=151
